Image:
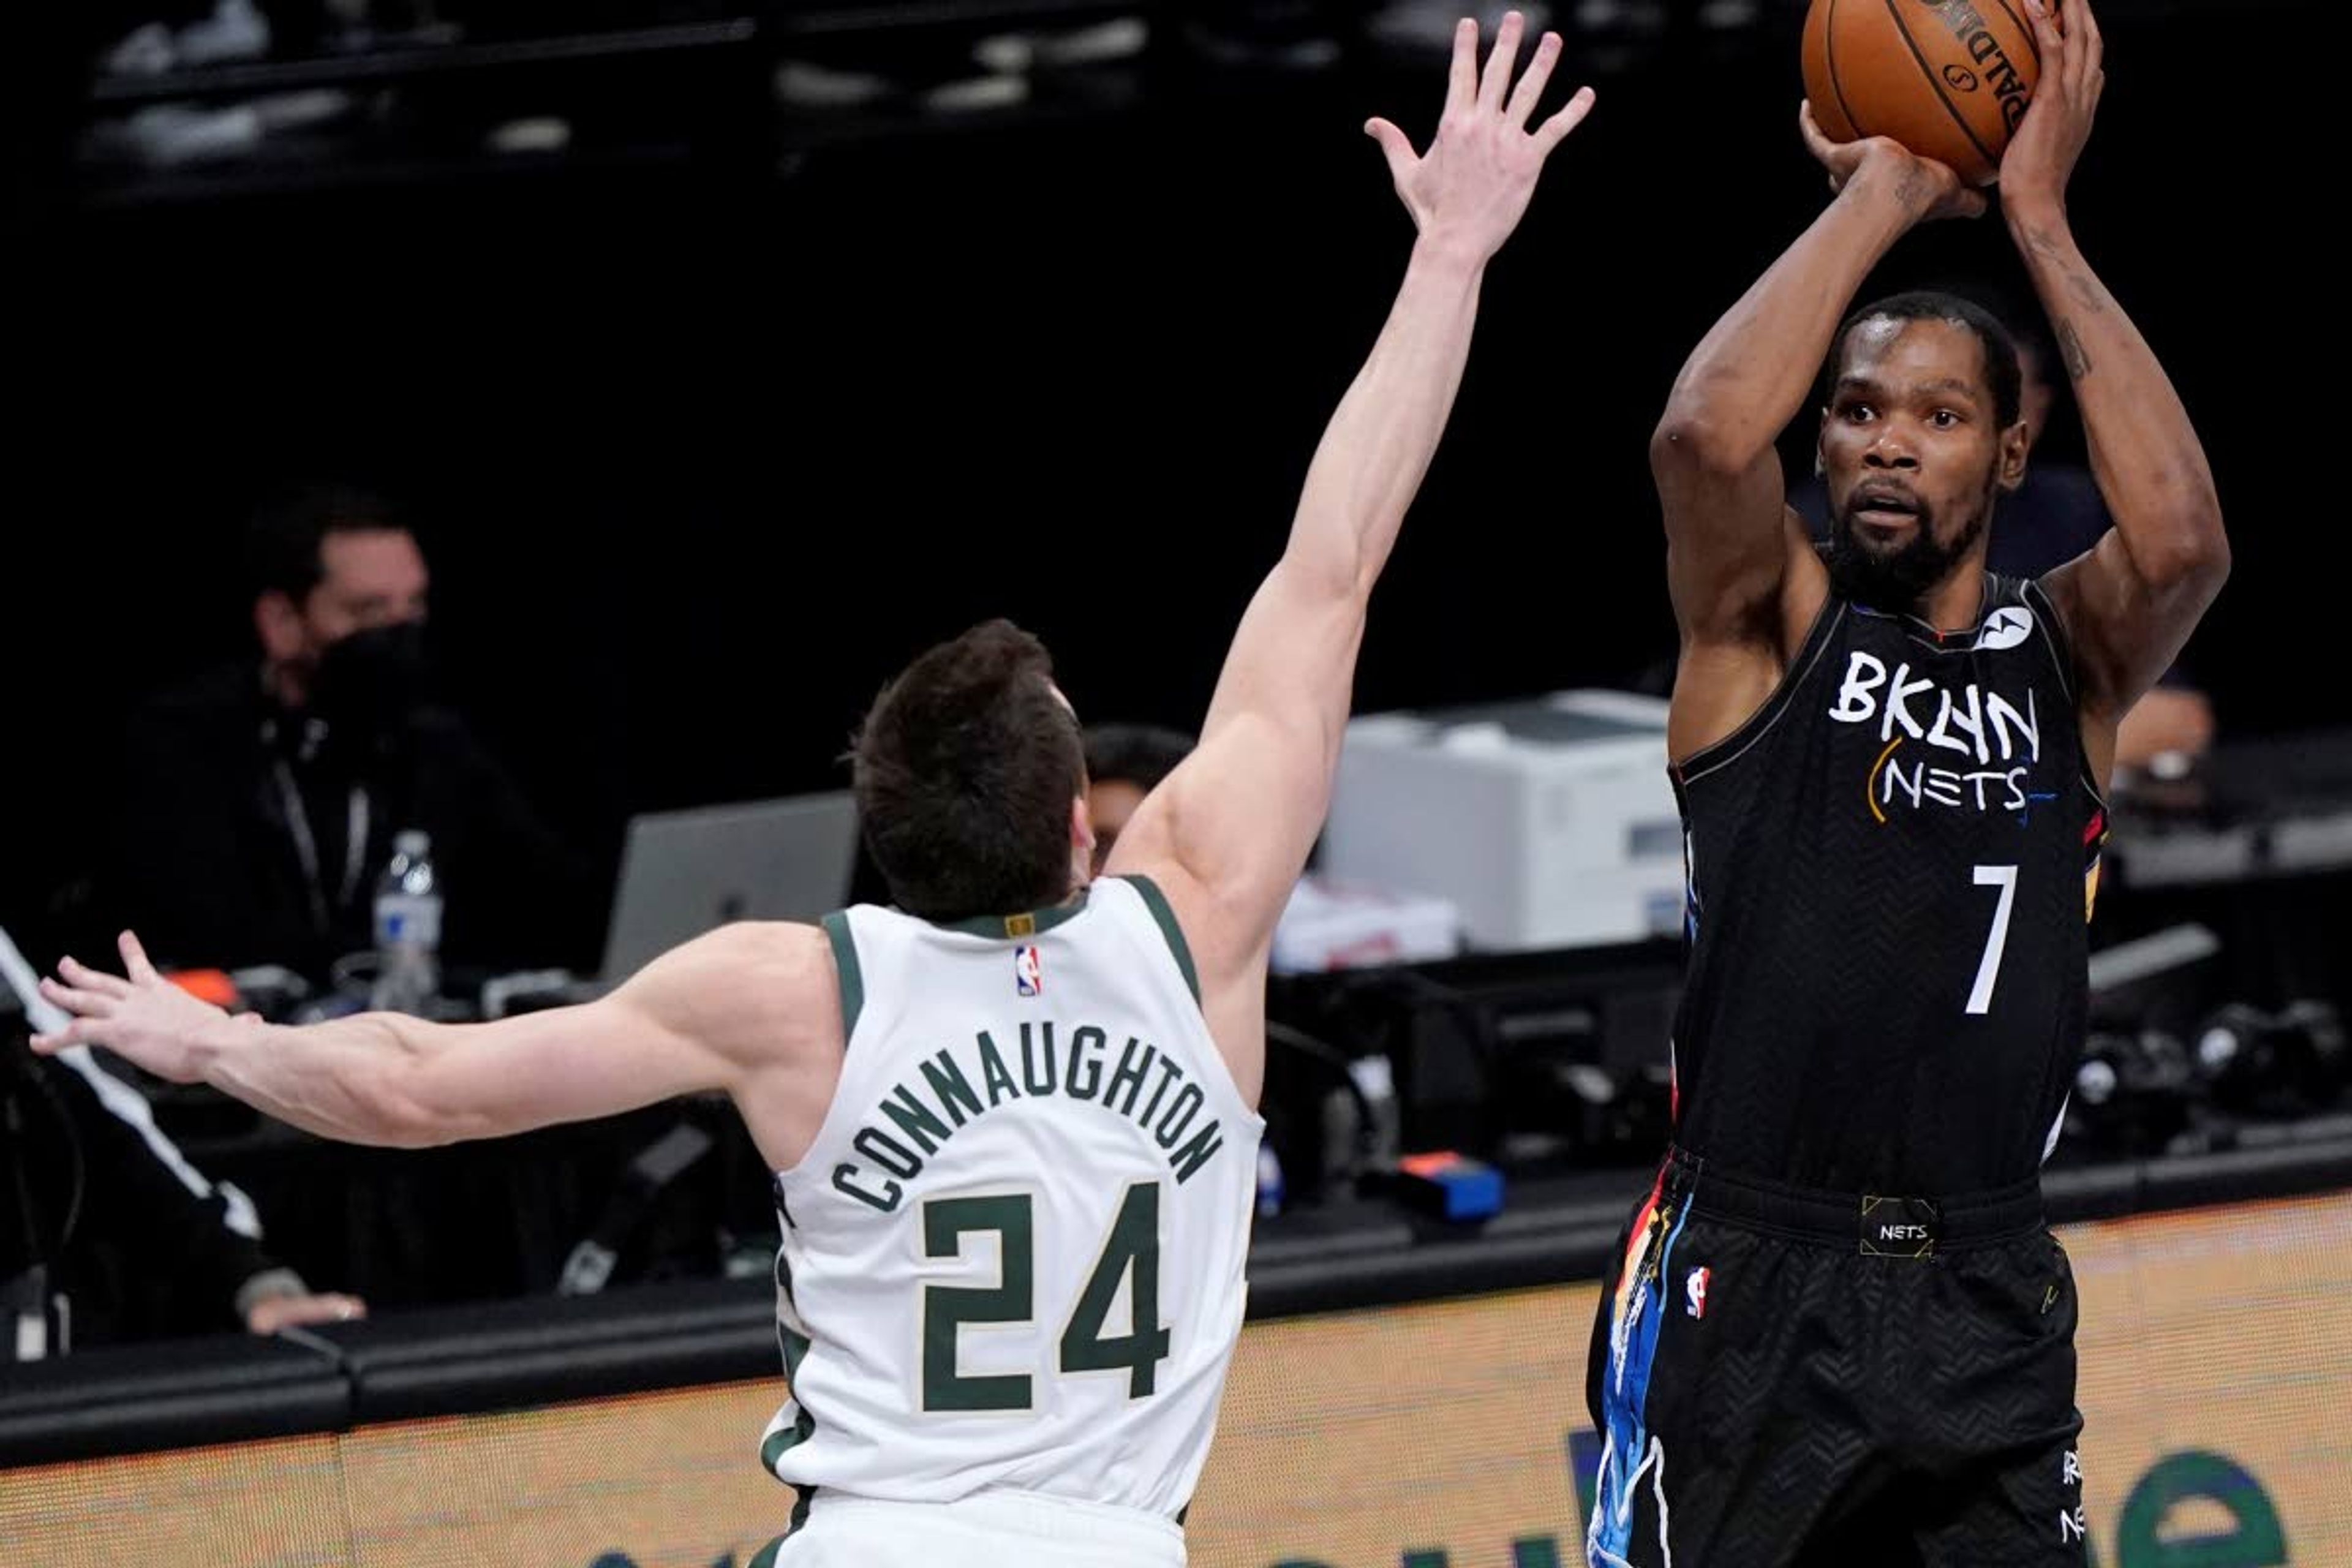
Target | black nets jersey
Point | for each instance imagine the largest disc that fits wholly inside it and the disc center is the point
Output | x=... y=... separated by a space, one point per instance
x=1890 y=871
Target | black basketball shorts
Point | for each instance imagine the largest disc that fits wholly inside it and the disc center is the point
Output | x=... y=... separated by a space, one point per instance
x=1788 y=1379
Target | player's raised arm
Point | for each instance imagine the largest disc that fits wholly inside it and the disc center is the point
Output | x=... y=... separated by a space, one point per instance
x=1228 y=832
x=739 y=1010
x=1742 y=575
x=2131 y=601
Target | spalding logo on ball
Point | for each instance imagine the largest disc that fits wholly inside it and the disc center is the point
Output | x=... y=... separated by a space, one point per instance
x=1947 y=78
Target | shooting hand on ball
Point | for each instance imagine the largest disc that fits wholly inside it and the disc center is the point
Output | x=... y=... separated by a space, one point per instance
x=1930 y=188
x=2042 y=155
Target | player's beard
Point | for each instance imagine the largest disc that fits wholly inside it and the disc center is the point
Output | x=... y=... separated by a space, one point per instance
x=1898 y=579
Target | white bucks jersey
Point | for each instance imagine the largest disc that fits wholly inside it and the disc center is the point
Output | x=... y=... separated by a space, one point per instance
x=1013 y=1255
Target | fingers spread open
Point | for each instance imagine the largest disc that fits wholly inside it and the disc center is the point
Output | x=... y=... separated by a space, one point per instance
x=134 y=959
x=1532 y=83
x=82 y=977
x=1461 y=77
x=1500 y=63
x=1553 y=132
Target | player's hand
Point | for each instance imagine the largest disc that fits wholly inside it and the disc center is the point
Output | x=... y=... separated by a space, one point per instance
x=144 y=1018
x=275 y=1312
x=2041 y=157
x=1930 y=189
x=1471 y=185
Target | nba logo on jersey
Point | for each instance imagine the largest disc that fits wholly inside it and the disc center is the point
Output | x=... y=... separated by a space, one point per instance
x=1028 y=971
x=1695 y=1291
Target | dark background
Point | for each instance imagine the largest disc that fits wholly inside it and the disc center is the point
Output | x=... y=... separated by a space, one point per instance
x=712 y=421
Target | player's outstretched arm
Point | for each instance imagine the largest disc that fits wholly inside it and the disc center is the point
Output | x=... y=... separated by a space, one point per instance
x=2131 y=601
x=1229 y=831
x=726 y=1013
x=1738 y=565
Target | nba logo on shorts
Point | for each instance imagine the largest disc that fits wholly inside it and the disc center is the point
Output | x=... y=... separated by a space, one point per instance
x=1695 y=1291
x=1028 y=971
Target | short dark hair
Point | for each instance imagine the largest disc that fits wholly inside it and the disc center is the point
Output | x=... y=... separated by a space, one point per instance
x=1140 y=754
x=964 y=772
x=287 y=533
x=2002 y=370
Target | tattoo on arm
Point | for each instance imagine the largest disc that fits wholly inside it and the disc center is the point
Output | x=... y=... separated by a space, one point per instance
x=2070 y=347
x=2086 y=289
x=2040 y=242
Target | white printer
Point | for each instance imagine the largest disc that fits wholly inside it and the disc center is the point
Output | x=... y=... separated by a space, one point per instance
x=1547 y=822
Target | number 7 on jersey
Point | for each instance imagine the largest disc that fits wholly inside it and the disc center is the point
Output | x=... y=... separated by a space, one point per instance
x=1989 y=970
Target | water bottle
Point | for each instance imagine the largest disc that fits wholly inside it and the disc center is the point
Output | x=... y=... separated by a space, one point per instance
x=407 y=928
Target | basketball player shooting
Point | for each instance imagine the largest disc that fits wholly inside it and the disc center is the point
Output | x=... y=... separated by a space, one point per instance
x=1840 y=1331
x=1012 y=1117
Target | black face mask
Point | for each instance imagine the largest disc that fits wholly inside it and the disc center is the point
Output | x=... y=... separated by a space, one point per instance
x=371 y=682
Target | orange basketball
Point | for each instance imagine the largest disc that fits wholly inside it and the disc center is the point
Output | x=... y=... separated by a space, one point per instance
x=1947 y=78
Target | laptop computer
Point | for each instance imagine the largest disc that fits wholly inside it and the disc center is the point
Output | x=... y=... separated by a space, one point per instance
x=686 y=872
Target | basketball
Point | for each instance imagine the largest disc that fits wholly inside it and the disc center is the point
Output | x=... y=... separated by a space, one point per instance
x=1947 y=78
